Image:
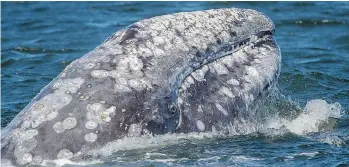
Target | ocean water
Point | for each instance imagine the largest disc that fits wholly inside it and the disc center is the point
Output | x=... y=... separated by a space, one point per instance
x=307 y=122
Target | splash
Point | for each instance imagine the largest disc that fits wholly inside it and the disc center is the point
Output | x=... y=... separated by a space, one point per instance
x=316 y=113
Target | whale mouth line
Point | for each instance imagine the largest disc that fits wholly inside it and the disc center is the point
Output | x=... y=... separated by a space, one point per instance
x=227 y=49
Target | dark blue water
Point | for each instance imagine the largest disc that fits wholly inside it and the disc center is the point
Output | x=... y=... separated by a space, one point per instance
x=39 y=39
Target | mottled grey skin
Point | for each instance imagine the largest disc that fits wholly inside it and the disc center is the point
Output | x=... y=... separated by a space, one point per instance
x=185 y=72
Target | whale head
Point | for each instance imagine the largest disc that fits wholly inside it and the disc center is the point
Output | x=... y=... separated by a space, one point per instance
x=184 y=72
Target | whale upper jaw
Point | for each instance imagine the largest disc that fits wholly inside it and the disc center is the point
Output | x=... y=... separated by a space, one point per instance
x=212 y=65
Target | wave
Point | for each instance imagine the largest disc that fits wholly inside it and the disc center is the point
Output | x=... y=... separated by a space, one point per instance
x=310 y=22
x=41 y=50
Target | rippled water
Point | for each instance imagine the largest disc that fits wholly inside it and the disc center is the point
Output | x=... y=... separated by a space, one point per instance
x=39 y=39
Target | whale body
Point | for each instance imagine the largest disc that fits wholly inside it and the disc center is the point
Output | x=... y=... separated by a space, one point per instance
x=184 y=72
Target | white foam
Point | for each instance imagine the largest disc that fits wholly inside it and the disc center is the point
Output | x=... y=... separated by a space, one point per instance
x=309 y=154
x=315 y=112
x=334 y=140
x=141 y=142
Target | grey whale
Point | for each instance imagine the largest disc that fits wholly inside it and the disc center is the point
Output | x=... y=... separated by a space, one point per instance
x=184 y=72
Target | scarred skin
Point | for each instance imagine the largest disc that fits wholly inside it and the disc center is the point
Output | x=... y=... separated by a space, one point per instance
x=185 y=72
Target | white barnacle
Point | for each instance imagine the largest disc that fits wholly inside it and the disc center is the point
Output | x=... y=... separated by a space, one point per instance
x=134 y=83
x=135 y=130
x=95 y=107
x=199 y=74
x=36 y=160
x=220 y=108
x=220 y=69
x=37 y=122
x=28 y=134
x=252 y=71
x=233 y=82
x=58 y=127
x=122 y=88
x=200 y=125
x=214 y=130
x=91 y=137
x=190 y=80
x=64 y=154
x=26 y=124
x=25 y=159
x=110 y=109
x=51 y=115
x=158 y=40
x=226 y=91
x=105 y=59
x=69 y=123
x=158 y=52
x=107 y=119
x=121 y=81
x=100 y=73
x=200 y=110
x=90 y=66
x=251 y=97
x=25 y=146
x=136 y=64
x=78 y=81
x=91 y=125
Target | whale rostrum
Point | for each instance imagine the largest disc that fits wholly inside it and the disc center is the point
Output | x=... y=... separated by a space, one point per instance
x=183 y=72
